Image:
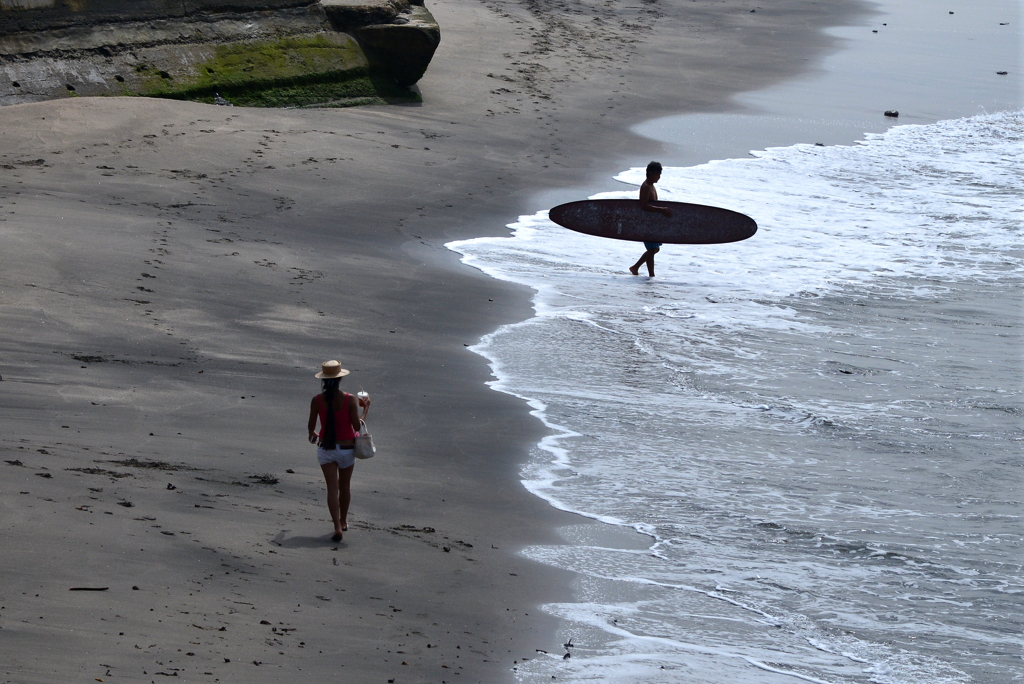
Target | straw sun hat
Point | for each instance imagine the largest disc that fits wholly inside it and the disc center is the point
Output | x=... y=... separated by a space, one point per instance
x=330 y=370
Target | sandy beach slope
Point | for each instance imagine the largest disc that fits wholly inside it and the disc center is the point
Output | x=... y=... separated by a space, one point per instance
x=171 y=276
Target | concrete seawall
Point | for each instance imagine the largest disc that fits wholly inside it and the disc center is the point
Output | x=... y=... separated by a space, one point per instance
x=246 y=52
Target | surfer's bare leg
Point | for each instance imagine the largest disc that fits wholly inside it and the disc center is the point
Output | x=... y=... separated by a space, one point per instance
x=647 y=258
x=650 y=261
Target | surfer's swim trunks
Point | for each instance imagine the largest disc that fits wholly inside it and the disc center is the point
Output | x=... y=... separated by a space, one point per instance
x=344 y=457
x=652 y=245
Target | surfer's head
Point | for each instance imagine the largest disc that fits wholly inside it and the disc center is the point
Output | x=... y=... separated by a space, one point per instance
x=653 y=171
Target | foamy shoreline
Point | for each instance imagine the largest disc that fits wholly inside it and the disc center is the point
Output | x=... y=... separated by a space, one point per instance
x=784 y=125
x=838 y=385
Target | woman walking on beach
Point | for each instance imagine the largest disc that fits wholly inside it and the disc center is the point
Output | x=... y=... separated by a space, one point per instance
x=338 y=413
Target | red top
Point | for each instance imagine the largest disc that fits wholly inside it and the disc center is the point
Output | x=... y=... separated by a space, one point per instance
x=343 y=431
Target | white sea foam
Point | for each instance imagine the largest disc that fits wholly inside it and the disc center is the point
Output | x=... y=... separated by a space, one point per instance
x=818 y=429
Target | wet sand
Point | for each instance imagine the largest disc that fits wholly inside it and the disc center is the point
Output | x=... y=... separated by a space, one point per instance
x=172 y=276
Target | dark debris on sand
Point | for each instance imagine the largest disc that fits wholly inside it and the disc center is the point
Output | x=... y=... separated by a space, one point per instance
x=149 y=465
x=100 y=471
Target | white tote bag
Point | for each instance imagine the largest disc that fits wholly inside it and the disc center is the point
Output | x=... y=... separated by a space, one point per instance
x=364 y=443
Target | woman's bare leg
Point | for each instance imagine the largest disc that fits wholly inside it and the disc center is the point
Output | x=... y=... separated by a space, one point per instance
x=333 y=498
x=344 y=494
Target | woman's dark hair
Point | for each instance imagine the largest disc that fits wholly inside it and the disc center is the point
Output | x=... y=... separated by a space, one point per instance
x=330 y=438
x=653 y=167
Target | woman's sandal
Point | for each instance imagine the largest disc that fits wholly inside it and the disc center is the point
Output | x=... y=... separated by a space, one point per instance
x=336 y=538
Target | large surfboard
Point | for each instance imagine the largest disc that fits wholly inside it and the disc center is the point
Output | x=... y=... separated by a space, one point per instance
x=622 y=219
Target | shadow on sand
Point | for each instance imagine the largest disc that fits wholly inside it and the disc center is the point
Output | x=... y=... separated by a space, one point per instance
x=287 y=542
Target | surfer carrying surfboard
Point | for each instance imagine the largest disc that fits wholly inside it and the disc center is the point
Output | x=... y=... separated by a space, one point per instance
x=648 y=194
x=653 y=222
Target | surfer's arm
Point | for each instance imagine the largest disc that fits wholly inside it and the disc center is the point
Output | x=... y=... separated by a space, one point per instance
x=645 y=200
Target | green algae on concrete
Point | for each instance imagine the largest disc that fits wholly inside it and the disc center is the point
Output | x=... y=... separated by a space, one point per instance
x=320 y=70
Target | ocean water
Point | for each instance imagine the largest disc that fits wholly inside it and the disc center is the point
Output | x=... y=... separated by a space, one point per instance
x=928 y=60
x=807 y=448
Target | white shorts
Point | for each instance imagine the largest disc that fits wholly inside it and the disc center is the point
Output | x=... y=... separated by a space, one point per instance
x=344 y=457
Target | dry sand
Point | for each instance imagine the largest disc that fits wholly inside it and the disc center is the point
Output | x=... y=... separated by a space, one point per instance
x=172 y=276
